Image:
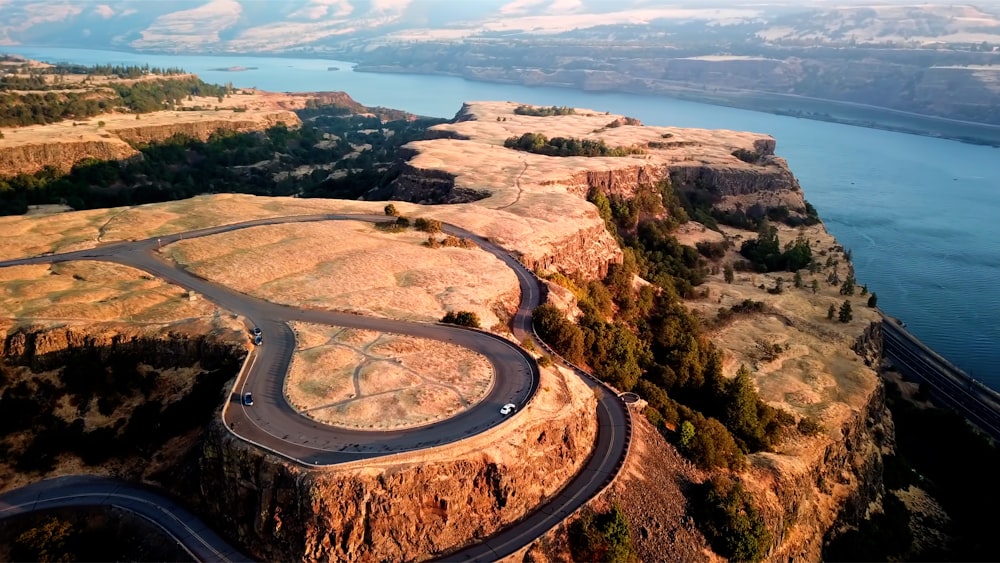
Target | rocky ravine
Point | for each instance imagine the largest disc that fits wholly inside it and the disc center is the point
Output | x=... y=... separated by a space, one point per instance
x=808 y=483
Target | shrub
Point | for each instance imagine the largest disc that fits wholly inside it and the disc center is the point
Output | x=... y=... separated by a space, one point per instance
x=809 y=426
x=733 y=526
x=427 y=225
x=750 y=157
x=462 y=318
x=601 y=537
x=539 y=111
x=390 y=210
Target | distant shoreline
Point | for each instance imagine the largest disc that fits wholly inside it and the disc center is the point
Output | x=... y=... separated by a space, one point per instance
x=819 y=109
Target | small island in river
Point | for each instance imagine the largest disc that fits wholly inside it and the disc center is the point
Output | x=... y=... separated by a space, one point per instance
x=234 y=68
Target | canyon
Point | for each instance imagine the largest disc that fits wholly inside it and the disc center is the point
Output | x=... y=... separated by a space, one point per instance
x=410 y=506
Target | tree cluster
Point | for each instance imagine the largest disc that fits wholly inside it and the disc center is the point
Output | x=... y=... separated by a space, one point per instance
x=538 y=143
x=601 y=537
x=541 y=111
x=766 y=254
x=725 y=513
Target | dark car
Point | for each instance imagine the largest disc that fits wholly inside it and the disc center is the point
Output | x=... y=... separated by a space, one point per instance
x=258 y=340
x=248 y=399
x=256 y=331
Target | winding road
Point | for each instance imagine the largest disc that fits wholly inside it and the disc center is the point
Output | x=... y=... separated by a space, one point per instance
x=271 y=423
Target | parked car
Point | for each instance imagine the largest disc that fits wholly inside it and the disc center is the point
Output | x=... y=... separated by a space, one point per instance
x=508 y=408
x=258 y=340
x=256 y=331
x=248 y=399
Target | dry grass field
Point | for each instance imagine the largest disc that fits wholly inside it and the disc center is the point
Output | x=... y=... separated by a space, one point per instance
x=365 y=379
x=815 y=373
x=351 y=266
x=99 y=292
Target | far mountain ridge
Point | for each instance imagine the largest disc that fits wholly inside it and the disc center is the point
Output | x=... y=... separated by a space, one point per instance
x=842 y=62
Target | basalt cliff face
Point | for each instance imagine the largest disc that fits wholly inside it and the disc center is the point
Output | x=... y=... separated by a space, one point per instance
x=407 y=507
x=466 y=161
x=809 y=484
x=26 y=150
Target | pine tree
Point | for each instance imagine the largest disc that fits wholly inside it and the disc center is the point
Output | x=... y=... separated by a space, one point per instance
x=831 y=312
x=845 y=315
x=873 y=300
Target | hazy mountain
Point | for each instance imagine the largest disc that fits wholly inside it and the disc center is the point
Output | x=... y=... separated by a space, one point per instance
x=194 y=26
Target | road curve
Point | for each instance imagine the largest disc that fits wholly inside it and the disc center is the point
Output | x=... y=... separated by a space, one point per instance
x=272 y=424
x=185 y=528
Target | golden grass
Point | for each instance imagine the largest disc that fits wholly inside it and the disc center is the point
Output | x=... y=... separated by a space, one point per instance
x=350 y=266
x=95 y=291
x=365 y=379
x=818 y=374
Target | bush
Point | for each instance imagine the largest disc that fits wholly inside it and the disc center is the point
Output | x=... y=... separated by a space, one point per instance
x=750 y=157
x=733 y=526
x=427 y=225
x=539 y=111
x=462 y=318
x=538 y=143
x=601 y=537
x=809 y=426
x=390 y=210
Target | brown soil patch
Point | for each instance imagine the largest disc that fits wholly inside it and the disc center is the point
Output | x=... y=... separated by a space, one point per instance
x=365 y=379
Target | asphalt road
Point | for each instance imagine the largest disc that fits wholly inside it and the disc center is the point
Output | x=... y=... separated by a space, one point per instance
x=272 y=424
x=87 y=490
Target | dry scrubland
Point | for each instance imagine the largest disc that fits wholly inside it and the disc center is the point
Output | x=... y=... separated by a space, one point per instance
x=89 y=293
x=352 y=266
x=372 y=380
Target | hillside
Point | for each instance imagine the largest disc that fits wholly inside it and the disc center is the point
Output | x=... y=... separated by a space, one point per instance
x=600 y=228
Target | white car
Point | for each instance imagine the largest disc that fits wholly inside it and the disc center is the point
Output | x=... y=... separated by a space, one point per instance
x=508 y=408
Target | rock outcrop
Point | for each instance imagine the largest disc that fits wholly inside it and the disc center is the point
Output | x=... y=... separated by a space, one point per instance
x=62 y=155
x=201 y=129
x=26 y=150
x=46 y=348
x=400 y=508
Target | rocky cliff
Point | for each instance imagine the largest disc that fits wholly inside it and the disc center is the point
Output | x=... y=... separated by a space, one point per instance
x=401 y=508
x=31 y=157
x=26 y=150
x=201 y=129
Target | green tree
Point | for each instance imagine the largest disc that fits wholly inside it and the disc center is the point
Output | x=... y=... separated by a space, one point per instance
x=873 y=300
x=741 y=409
x=390 y=210
x=601 y=537
x=845 y=314
x=731 y=523
x=831 y=312
x=848 y=286
x=815 y=285
x=728 y=273
x=686 y=435
x=797 y=280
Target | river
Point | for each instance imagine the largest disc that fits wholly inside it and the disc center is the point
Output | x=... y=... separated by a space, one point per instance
x=921 y=215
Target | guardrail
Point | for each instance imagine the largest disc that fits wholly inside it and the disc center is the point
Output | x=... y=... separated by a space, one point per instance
x=586 y=374
x=947 y=383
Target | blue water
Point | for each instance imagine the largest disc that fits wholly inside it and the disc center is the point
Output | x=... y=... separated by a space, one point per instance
x=921 y=215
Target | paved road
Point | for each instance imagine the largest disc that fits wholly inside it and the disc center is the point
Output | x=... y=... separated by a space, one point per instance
x=87 y=490
x=950 y=385
x=272 y=424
